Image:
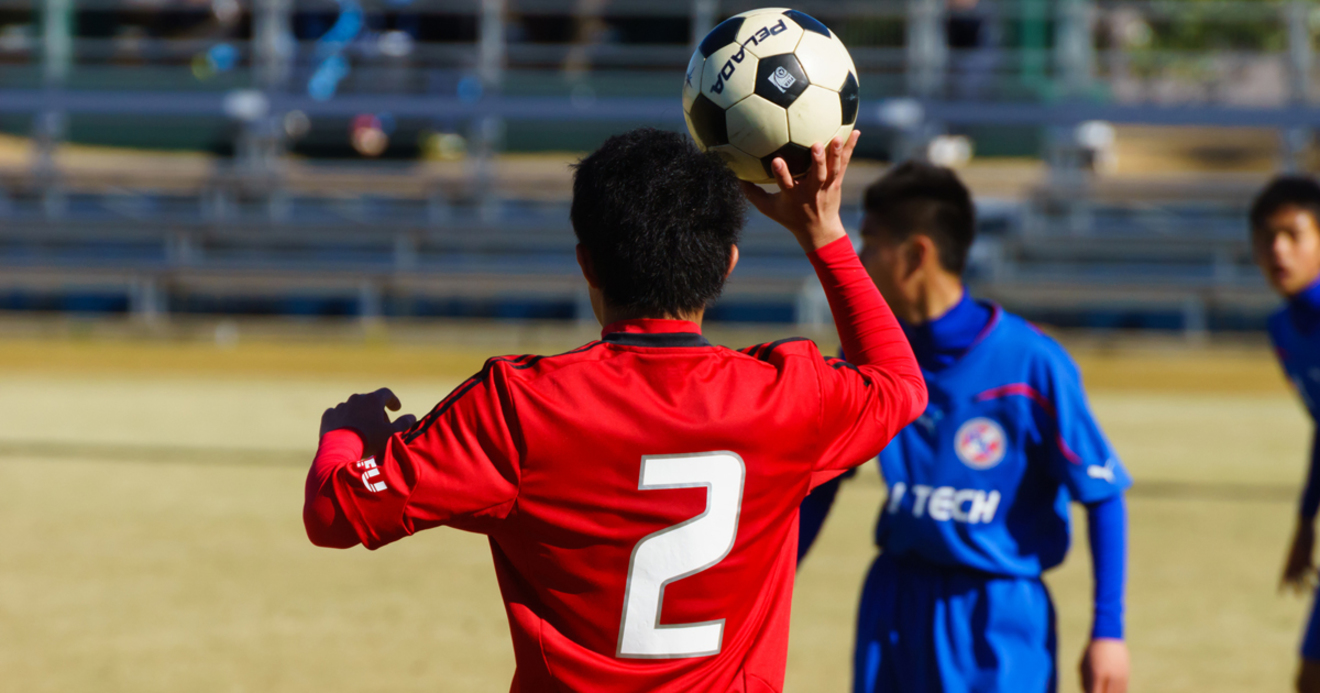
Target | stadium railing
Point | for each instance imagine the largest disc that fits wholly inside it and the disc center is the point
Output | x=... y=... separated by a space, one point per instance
x=485 y=71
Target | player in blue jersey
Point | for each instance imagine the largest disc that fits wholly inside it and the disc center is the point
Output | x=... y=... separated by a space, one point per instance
x=1285 y=238
x=980 y=485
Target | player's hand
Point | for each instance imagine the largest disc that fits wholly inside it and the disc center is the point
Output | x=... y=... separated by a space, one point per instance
x=365 y=415
x=1299 y=573
x=1105 y=666
x=809 y=207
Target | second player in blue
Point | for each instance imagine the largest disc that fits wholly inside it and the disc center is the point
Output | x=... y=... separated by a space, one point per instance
x=980 y=485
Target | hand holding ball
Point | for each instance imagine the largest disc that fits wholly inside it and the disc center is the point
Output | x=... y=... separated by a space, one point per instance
x=769 y=83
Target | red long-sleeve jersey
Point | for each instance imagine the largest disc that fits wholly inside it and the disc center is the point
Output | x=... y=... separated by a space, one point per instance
x=640 y=493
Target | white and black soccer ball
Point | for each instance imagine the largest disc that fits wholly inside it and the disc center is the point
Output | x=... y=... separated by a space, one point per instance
x=769 y=83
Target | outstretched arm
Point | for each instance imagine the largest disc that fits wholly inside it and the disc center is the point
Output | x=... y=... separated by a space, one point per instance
x=385 y=480
x=809 y=208
x=1299 y=567
x=887 y=391
x=1104 y=666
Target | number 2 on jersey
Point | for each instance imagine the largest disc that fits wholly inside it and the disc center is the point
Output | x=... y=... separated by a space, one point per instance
x=680 y=551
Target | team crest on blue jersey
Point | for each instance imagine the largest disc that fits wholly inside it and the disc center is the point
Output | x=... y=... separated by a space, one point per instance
x=980 y=443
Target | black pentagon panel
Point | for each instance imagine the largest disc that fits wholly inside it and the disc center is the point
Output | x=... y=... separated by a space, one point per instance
x=708 y=121
x=796 y=156
x=848 y=99
x=723 y=34
x=780 y=79
x=808 y=22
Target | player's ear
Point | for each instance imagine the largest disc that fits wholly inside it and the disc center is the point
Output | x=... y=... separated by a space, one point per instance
x=733 y=260
x=914 y=252
x=588 y=268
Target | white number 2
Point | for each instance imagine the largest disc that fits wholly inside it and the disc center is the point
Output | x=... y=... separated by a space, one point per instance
x=680 y=551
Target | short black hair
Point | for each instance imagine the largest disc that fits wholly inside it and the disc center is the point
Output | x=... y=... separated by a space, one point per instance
x=917 y=197
x=659 y=220
x=1301 y=191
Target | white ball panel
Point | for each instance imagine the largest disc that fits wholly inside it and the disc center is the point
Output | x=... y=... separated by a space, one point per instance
x=814 y=116
x=757 y=126
x=743 y=165
x=692 y=80
x=825 y=60
x=729 y=75
x=843 y=133
x=769 y=34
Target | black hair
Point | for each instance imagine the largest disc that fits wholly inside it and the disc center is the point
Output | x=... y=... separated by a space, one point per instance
x=659 y=220
x=1301 y=191
x=917 y=197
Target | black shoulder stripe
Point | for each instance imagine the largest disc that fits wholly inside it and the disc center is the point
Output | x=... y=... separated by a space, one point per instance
x=467 y=385
x=763 y=351
x=527 y=361
x=838 y=364
x=751 y=350
x=532 y=361
x=444 y=406
x=756 y=350
x=775 y=345
x=513 y=360
x=585 y=347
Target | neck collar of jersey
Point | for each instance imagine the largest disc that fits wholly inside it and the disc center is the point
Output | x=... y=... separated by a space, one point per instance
x=1305 y=308
x=654 y=333
x=941 y=342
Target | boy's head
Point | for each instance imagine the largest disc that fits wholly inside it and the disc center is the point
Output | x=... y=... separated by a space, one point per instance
x=917 y=228
x=1285 y=233
x=656 y=222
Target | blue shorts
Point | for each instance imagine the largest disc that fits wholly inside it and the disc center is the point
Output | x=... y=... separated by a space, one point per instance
x=1311 y=641
x=923 y=628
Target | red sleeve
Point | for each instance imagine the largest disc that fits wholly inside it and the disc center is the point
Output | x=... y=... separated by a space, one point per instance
x=459 y=466
x=325 y=522
x=868 y=400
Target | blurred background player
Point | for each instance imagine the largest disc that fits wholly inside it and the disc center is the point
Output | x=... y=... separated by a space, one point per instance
x=980 y=484
x=1285 y=235
x=642 y=522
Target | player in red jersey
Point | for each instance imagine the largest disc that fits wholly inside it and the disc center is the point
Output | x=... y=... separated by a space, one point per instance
x=641 y=492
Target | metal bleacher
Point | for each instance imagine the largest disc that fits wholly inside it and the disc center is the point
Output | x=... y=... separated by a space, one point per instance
x=270 y=223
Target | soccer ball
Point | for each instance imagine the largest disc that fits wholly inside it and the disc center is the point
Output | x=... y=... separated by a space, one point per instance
x=769 y=83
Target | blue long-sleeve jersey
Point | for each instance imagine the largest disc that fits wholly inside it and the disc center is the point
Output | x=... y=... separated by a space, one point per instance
x=1295 y=331
x=984 y=478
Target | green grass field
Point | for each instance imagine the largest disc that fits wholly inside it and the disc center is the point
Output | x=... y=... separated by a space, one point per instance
x=150 y=498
